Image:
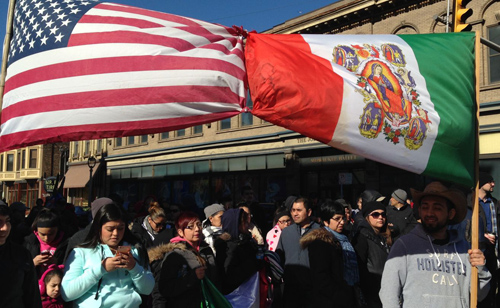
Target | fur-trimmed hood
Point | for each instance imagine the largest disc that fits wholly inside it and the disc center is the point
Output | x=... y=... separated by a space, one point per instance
x=225 y=236
x=320 y=234
x=158 y=252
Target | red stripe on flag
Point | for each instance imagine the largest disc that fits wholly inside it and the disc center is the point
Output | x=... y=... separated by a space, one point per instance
x=187 y=24
x=129 y=37
x=139 y=23
x=117 y=65
x=107 y=130
x=291 y=87
x=123 y=97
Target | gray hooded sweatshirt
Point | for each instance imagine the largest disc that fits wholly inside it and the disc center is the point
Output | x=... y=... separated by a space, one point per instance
x=419 y=273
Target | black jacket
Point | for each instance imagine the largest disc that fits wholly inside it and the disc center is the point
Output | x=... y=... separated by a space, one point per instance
x=33 y=245
x=236 y=260
x=19 y=283
x=372 y=251
x=329 y=288
x=402 y=219
x=140 y=233
x=173 y=266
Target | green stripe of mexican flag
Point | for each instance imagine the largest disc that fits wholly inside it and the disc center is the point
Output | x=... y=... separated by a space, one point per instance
x=406 y=101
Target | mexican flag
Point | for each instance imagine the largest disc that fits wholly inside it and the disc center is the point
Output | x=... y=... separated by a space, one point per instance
x=403 y=100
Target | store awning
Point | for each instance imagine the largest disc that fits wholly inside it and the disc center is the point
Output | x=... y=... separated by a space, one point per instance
x=78 y=176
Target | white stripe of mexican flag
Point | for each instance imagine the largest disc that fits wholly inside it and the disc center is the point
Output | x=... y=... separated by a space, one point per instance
x=406 y=101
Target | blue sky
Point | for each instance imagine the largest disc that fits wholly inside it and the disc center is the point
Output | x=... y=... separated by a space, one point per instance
x=256 y=15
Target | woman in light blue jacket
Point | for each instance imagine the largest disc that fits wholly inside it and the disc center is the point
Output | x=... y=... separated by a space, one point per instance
x=99 y=274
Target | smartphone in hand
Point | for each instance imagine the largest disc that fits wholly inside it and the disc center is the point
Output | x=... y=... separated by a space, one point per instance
x=123 y=249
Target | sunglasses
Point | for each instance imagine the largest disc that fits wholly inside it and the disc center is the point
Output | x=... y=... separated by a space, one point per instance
x=159 y=224
x=377 y=215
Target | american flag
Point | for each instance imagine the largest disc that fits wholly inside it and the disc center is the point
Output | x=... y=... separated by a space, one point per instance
x=80 y=70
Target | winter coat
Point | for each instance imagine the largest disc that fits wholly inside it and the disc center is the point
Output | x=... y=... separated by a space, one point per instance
x=19 y=283
x=174 y=267
x=329 y=288
x=85 y=276
x=402 y=219
x=140 y=233
x=236 y=260
x=33 y=245
x=372 y=251
x=424 y=274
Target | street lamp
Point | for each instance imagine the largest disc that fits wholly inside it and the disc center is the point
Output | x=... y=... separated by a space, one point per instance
x=91 y=162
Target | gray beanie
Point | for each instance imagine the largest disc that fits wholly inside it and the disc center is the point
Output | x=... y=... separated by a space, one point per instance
x=400 y=195
x=98 y=203
x=213 y=209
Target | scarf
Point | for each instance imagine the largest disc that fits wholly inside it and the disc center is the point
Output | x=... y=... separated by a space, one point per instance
x=273 y=237
x=179 y=239
x=145 y=224
x=351 y=271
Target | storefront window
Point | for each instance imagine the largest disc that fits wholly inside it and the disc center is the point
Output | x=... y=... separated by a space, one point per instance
x=181 y=133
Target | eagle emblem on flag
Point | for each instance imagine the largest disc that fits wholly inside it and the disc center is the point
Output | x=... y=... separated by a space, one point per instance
x=392 y=105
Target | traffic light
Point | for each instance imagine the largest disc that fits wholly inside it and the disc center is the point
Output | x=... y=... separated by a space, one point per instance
x=460 y=14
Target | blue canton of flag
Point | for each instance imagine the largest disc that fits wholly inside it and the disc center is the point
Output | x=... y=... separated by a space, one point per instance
x=41 y=25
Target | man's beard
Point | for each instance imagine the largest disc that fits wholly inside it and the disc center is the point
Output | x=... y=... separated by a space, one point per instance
x=432 y=229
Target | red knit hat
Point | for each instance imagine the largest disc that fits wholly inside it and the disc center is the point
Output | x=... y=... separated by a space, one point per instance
x=41 y=284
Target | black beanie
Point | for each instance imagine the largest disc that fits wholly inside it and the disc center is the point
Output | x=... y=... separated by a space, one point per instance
x=372 y=206
x=484 y=178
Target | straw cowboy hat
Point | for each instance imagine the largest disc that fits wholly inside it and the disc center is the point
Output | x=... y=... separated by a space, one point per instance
x=456 y=197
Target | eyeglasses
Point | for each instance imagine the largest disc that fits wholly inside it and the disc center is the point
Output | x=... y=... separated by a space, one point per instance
x=192 y=227
x=285 y=221
x=377 y=215
x=339 y=219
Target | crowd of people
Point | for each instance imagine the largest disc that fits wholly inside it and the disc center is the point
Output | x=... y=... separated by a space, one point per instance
x=398 y=250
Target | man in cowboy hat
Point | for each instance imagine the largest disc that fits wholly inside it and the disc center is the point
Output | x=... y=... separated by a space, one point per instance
x=431 y=265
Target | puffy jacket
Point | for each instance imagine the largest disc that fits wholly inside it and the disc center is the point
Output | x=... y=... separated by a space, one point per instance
x=118 y=288
x=326 y=266
x=174 y=267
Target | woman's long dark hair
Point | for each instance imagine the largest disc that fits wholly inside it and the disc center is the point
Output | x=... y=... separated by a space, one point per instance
x=107 y=213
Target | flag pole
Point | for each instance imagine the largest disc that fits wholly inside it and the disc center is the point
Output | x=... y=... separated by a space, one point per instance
x=6 y=48
x=475 y=209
